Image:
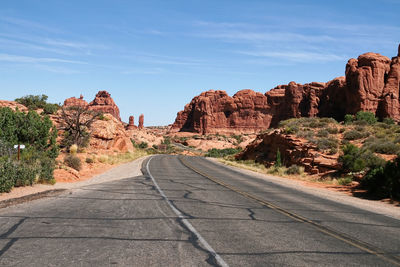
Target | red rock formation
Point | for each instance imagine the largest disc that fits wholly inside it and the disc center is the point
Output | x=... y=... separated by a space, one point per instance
x=141 y=121
x=75 y=102
x=371 y=84
x=131 y=125
x=294 y=151
x=215 y=111
x=104 y=103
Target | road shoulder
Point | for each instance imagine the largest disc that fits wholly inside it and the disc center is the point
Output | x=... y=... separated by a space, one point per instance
x=370 y=205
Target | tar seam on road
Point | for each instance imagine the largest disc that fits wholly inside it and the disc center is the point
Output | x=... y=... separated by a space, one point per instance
x=340 y=236
x=207 y=246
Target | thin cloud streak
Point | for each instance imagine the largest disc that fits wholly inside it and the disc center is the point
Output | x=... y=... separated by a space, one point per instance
x=26 y=59
x=295 y=56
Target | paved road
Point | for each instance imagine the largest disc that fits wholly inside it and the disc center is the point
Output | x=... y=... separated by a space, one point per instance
x=187 y=211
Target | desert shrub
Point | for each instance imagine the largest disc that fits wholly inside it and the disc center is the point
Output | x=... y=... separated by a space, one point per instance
x=354 y=135
x=328 y=120
x=103 y=118
x=291 y=129
x=33 y=102
x=278 y=162
x=73 y=162
x=277 y=170
x=238 y=138
x=103 y=158
x=166 y=141
x=345 y=180
x=332 y=130
x=382 y=125
x=24 y=174
x=326 y=143
x=7 y=176
x=73 y=149
x=295 y=169
x=384 y=181
x=155 y=146
x=143 y=145
x=382 y=146
x=348 y=118
x=388 y=121
x=323 y=133
x=356 y=160
x=306 y=134
x=219 y=153
x=366 y=116
x=333 y=151
x=89 y=160
x=50 y=108
x=46 y=174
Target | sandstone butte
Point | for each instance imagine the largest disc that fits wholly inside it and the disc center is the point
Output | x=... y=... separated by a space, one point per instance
x=101 y=103
x=371 y=83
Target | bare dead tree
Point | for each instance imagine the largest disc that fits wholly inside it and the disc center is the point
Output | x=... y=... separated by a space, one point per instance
x=76 y=121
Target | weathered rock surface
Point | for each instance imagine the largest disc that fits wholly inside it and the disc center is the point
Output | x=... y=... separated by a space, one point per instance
x=13 y=105
x=104 y=103
x=294 y=151
x=371 y=84
x=110 y=134
x=75 y=102
x=141 y=121
x=131 y=125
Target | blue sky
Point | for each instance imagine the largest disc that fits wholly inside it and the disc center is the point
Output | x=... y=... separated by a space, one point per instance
x=155 y=56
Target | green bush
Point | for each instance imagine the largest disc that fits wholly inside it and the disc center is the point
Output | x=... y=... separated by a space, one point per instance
x=50 y=108
x=356 y=160
x=366 y=116
x=345 y=180
x=382 y=146
x=332 y=130
x=278 y=162
x=220 y=153
x=73 y=162
x=89 y=160
x=323 y=133
x=348 y=118
x=326 y=143
x=7 y=176
x=33 y=102
x=354 y=135
x=384 y=181
x=143 y=145
x=24 y=174
x=46 y=174
x=388 y=121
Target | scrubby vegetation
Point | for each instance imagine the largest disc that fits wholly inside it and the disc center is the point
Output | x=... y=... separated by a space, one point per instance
x=220 y=153
x=37 y=160
x=34 y=102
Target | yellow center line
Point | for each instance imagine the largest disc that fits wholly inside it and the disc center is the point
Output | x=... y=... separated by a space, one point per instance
x=340 y=236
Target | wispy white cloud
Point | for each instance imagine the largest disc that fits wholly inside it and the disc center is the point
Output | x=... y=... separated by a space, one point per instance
x=26 y=59
x=295 y=56
x=57 y=69
x=28 y=24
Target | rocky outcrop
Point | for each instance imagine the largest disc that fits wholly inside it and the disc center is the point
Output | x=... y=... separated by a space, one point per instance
x=215 y=111
x=131 y=125
x=371 y=84
x=13 y=105
x=75 y=102
x=110 y=134
x=141 y=121
x=294 y=151
x=105 y=104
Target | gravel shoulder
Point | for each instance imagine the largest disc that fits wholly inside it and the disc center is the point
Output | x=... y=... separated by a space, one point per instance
x=379 y=207
x=126 y=170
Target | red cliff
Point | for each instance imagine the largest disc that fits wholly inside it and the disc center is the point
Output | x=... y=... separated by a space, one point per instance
x=371 y=84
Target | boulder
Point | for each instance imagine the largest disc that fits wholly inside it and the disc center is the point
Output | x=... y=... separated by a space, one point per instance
x=75 y=102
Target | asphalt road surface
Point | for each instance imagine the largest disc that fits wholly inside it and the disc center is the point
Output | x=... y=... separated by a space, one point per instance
x=188 y=211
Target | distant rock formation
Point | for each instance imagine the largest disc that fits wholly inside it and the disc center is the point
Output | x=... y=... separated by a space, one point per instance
x=371 y=84
x=13 y=105
x=75 y=102
x=131 y=125
x=141 y=121
x=104 y=103
x=101 y=103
